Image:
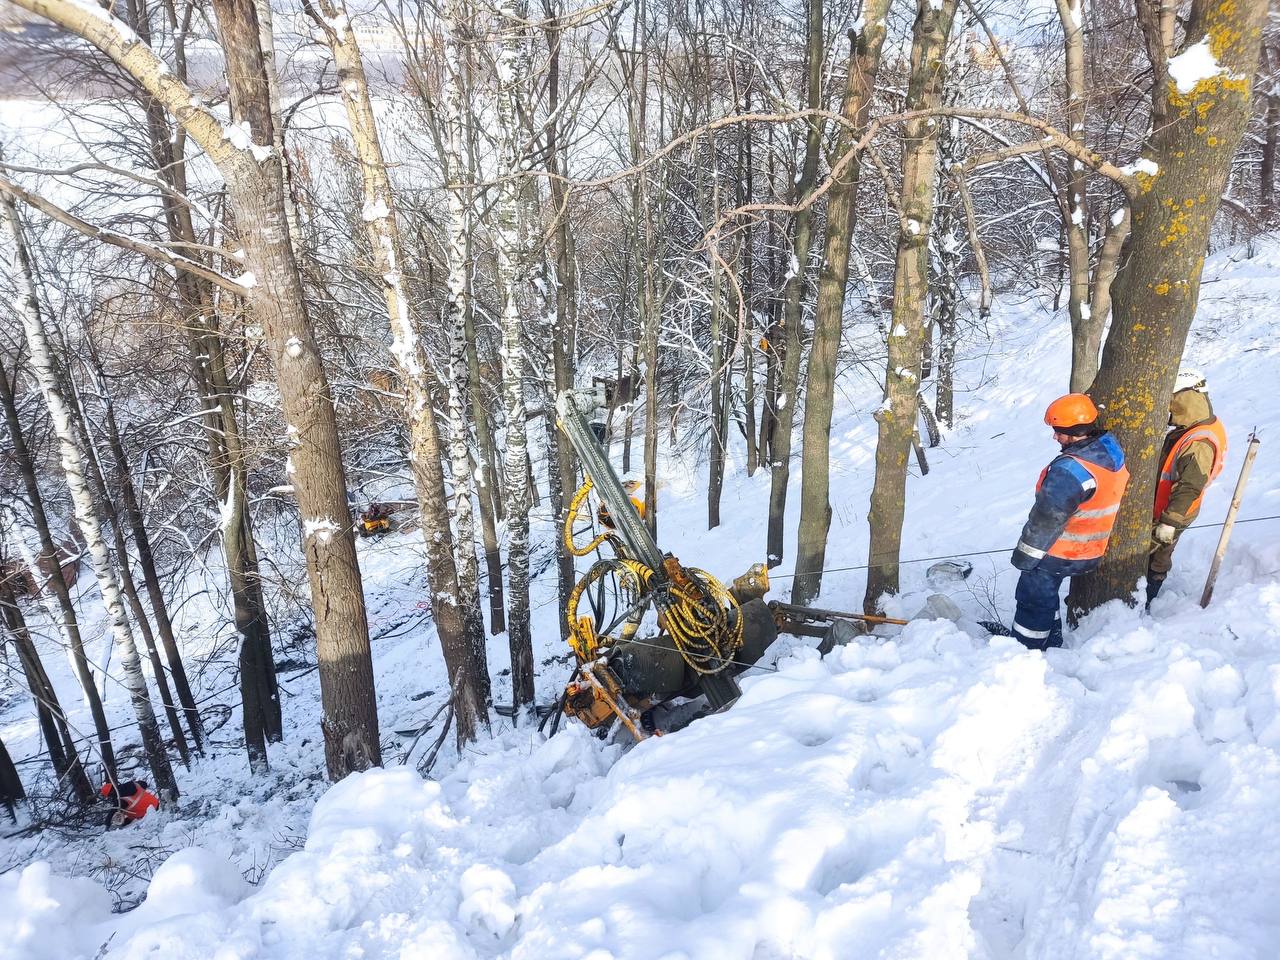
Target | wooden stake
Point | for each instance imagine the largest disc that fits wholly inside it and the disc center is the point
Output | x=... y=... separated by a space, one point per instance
x=1231 y=520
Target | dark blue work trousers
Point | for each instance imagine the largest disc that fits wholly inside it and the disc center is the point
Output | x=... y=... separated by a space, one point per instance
x=1037 y=624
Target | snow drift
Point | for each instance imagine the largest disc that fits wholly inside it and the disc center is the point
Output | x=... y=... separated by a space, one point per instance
x=924 y=795
x=928 y=796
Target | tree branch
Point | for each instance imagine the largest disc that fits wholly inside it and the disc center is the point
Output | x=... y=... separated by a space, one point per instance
x=150 y=251
x=77 y=168
x=979 y=254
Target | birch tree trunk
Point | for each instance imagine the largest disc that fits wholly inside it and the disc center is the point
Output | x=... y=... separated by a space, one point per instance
x=773 y=340
x=460 y=387
x=46 y=566
x=815 y=480
x=948 y=338
x=512 y=267
x=1188 y=160
x=946 y=298
x=457 y=617
x=628 y=420
x=463 y=495
x=18 y=265
x=787 y=395
x=910 y=289
x=146 y=560
x=490 y=489
x=651 y=317
x=564 y=324
x=747 y=343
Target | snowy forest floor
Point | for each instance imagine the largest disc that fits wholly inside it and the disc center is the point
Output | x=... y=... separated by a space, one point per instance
x=925 y=794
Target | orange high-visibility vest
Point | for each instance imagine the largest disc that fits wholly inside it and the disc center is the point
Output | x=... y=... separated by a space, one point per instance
x=1216 y=434
x=135 y=807
x=1088 y=530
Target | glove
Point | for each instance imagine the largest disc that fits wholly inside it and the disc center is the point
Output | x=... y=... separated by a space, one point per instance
x=1023 y=561
x=1164 y=533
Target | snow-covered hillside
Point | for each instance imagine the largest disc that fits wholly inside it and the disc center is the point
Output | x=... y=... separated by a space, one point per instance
x=925 y=794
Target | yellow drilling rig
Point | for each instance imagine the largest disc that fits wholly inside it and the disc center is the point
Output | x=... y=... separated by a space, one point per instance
x=646 y=629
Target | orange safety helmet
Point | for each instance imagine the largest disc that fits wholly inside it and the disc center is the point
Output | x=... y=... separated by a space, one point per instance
x=106 y=789
x=1073 y=410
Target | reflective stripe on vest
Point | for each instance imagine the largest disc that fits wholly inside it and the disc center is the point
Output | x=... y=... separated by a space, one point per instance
x=1216 y=434
x=1088 y=530
x=136 y=806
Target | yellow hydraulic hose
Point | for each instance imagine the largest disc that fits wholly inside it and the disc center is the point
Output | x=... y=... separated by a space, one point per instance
x=571 y=514
x=701 y=615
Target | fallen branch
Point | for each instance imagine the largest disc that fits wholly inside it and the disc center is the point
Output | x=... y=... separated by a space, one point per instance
x=429 y=760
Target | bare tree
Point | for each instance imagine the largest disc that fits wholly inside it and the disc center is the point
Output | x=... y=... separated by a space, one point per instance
x=512 y=272
x=146 y=559
x=779 y=452
x=815 y=483
x=1198 y=120
x=59 y=742
x=458 y=625
x=47 y=569
x=897 y=416
x=17 y=264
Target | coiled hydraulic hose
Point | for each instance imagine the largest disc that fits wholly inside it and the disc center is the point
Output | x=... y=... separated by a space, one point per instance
x=704 y=620
x=697 y=610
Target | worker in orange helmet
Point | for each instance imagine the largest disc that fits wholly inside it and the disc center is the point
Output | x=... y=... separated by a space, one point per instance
x=1070 y=524
x=1193 y=454
x=130 y=802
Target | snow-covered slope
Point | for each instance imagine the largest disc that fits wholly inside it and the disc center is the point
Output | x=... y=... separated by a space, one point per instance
x=924 y=795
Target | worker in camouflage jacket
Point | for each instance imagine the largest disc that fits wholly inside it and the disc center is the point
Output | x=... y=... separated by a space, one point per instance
x=1192 y=458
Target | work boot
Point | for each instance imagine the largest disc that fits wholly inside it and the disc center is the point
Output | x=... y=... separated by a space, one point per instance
x=1055 y=636
x=1054 y=639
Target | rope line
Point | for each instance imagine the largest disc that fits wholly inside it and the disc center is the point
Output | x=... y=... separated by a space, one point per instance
x=979 y=553
x=91 y=739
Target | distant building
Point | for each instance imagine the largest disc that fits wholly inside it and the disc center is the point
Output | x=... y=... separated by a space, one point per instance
x=373 y=34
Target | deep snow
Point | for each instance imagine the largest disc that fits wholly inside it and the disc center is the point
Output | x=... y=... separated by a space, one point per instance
x=922 y=795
